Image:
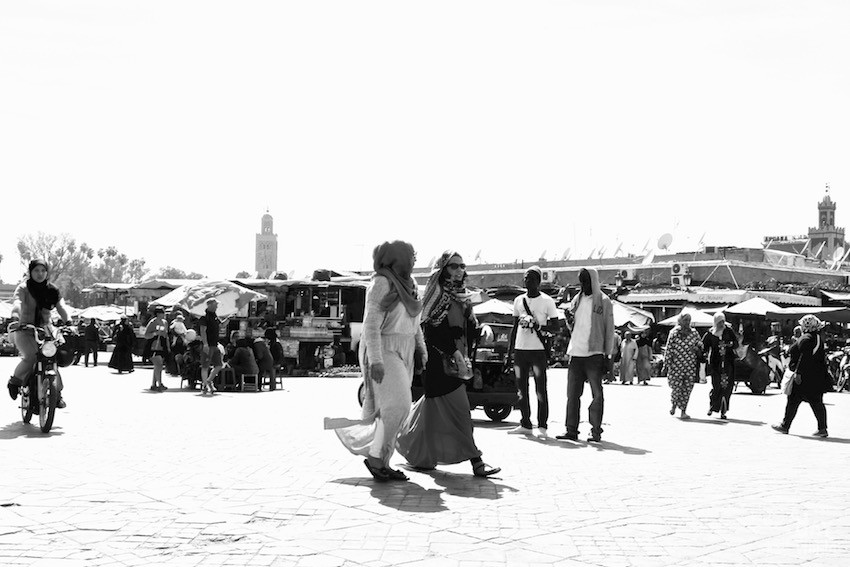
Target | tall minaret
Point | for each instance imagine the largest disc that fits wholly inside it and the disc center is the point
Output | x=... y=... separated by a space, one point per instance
x=266 y=248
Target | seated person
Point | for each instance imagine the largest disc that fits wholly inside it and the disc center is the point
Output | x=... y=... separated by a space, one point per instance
x=243 y=361
x=265 y=361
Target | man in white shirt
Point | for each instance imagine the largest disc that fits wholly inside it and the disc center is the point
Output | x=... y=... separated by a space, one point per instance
x=534 y=313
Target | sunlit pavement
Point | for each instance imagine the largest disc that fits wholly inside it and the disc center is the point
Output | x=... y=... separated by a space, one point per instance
x=129 y=477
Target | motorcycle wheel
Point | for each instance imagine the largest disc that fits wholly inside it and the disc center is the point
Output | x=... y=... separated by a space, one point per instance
x=26 y=406
x=498 y=412
x=47 y=405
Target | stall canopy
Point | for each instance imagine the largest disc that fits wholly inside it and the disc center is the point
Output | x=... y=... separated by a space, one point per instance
x=631 y=317
x=755 y=306
x=102 y=313
x=699 y=318
x=829 y=314
x=193 y=298
x=494 y=311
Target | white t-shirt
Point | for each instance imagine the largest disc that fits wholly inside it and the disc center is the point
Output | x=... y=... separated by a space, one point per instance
x=580 y=337
x=543 y=308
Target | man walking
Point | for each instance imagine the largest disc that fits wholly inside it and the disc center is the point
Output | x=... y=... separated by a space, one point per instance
x=92 y=338
x=591 y=344
x=210 y=354
x=534 y=312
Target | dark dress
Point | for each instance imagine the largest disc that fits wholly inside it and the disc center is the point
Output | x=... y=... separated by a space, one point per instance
x=808 y=359
x=122 y=356
x=243 y=360
x=438 y=430
x=720 y=365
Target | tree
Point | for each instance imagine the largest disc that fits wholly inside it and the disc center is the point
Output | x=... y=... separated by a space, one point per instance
x=243 y=274
x=70 y=264
x=172 y=273
x=113 y=267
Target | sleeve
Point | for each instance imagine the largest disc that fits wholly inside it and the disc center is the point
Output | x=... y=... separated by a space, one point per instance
x=517 y=311
x=17 y=299
x=374 y=318
x=420 y=341
x=552 y=310
x=610 y=338
x=150 y=329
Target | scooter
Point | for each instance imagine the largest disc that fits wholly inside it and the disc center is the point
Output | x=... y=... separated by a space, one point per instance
x=40 y=393
x=843 y=382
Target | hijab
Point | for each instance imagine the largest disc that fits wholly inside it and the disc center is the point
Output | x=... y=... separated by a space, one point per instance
x=440 y=292
x=684 y=323
x=719 y=325
x=394 y=261
x=46 y=295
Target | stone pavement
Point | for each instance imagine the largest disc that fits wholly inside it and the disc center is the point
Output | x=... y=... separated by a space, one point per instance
x=129 y=477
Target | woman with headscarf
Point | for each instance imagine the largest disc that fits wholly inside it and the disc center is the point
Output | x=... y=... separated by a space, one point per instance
x=439 y=428
x=644 y=358
x=628 y=355
x=122 y=356
x=391 y=344
x=682 y=362
x=33 y=301
x=719 y=344
x=808 y=362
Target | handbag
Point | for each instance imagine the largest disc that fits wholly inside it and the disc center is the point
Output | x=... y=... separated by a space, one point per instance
x=787 y=381
x=451 y=367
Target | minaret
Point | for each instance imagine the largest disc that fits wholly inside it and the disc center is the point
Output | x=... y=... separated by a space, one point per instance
x=826 y=237
x=266 y=248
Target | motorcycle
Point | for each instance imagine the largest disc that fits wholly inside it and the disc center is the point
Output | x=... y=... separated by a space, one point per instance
x=40 y=393
x=833 y=365
x=843 y=382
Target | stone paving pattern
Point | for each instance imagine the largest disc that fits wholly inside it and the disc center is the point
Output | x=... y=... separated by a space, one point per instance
x=129 y=477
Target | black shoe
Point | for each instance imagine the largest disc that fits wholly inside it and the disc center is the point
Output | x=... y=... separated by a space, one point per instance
x=594 y=439
x=780 y=428
x=379 y=474
x=14 y=388
x=61 y=404
x=394 y=474
x=567 y=437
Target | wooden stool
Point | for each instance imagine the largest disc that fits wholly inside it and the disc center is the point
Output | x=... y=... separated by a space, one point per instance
x=267 y=380
x=251 y=381
x=226 y=379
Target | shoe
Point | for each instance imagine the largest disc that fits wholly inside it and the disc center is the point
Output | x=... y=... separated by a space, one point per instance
x=684 y=417
x=567 y=437
x=594 y=439
x=154 y=388
x=14 y=388
x=395 y=474
x=780 y=428
x=710 y=412
x=482 y=469
x=820 y=433
x=520 y=430
x=543 y=432
x=61 y=404
x=379 y=474
x=673 y=410
x=162 y=387
x=723 y=416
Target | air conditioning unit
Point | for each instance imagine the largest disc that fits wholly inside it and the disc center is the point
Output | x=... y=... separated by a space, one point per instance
x=679 y=269
x=549 y=276
x=627 y=274
x=683 y=280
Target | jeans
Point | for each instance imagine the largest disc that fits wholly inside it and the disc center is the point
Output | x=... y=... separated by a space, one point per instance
x=536 y=361
x=794 y=401
x=28 y=350
x=590 y=369
x=91 y=347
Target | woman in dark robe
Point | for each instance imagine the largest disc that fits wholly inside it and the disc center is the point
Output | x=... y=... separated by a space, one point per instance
x=439 y=428
x=719 y=344
x=122 y=356
x=644 y=358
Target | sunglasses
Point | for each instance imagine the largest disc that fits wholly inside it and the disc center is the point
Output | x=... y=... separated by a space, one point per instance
x=455 y=266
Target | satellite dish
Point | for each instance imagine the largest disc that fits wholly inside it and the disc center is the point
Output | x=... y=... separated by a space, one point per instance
x=665 y=240
x=838 y=254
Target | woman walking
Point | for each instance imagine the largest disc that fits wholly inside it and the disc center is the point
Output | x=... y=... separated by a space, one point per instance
x=122 y=356
x=644 y=358
x=157 y=333
x=808 y=361
x=391 y=334
x=682 y=362
x=719 y=344
x=439 y=428
x=628 y=355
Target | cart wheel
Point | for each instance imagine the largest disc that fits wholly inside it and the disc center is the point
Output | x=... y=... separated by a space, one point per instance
x=361 y=393
x=497 y=412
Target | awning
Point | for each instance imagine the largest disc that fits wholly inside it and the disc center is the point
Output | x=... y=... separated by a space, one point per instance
x=830 y=314
x=837 y=295
x=733 y=296
x=755 y=306
x=699 y=318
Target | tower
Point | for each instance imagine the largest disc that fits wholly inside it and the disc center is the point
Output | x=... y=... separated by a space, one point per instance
x=265 y=262
x=826 y=237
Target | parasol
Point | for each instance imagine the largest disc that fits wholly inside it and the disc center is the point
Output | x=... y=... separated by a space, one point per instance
x=193 y=297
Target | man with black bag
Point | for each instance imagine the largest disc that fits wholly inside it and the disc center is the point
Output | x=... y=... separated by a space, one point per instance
x=534 y=314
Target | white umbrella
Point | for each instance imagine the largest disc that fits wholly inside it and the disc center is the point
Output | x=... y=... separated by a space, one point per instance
x=102 y=313
x=193 y=298
x=753 y=306
x=698 y=318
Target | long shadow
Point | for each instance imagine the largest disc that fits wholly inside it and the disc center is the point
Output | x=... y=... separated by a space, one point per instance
x=402 y=496
x=607 y=445
x=21 y=429
x=824 y=439
x=559 y=443
x=746 y=422
x=710 y=421
x=470 y=486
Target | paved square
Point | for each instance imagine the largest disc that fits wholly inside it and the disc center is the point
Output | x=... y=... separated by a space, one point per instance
x=129 y=477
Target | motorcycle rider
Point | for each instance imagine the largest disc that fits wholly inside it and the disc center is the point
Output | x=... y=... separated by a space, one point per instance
x=34 y=299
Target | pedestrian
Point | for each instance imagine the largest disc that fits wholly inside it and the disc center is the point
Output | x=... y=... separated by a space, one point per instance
x=157 y=333
x=265 y=361
x=177 y=333
x=439 y=429
x=92 y=340
x=275 y=348
x=615 y=359
x=644 y=358
x=124 y=340
x=534 y=313
x=719 y=344
x=591 y=345
x=684 y=348
x=811 y=381
x=628 y=358
x=390 y=336
x=210 y=327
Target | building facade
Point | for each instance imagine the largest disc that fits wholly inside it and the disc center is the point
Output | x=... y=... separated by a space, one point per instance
x=821 y=242
x=265 y=259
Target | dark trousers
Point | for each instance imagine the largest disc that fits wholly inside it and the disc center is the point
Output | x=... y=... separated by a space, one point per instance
x=536 y=362
x=719 y=392
x=590 y=369
x=794 y=401
x=91 y=347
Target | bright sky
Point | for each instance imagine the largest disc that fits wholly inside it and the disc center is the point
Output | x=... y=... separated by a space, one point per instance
x=167 y=128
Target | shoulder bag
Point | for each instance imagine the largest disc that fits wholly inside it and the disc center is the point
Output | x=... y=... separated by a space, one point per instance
x=544 y=340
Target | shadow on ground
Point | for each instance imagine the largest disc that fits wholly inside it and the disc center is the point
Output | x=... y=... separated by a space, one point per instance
x=403 y=496
x=21 y=429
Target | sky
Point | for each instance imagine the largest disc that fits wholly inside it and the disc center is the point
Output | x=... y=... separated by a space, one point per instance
x=504 y=130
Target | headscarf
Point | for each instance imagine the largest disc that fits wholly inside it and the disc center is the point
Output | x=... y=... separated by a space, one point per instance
x=810 y=324
x=719 y=325
x=394 y=261
x=46 y=294
x=439 y=292
x=681 y=326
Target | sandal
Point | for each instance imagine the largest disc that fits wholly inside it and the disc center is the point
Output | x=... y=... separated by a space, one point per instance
x=394 y=474
x=483 y=469
x=379 y=474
